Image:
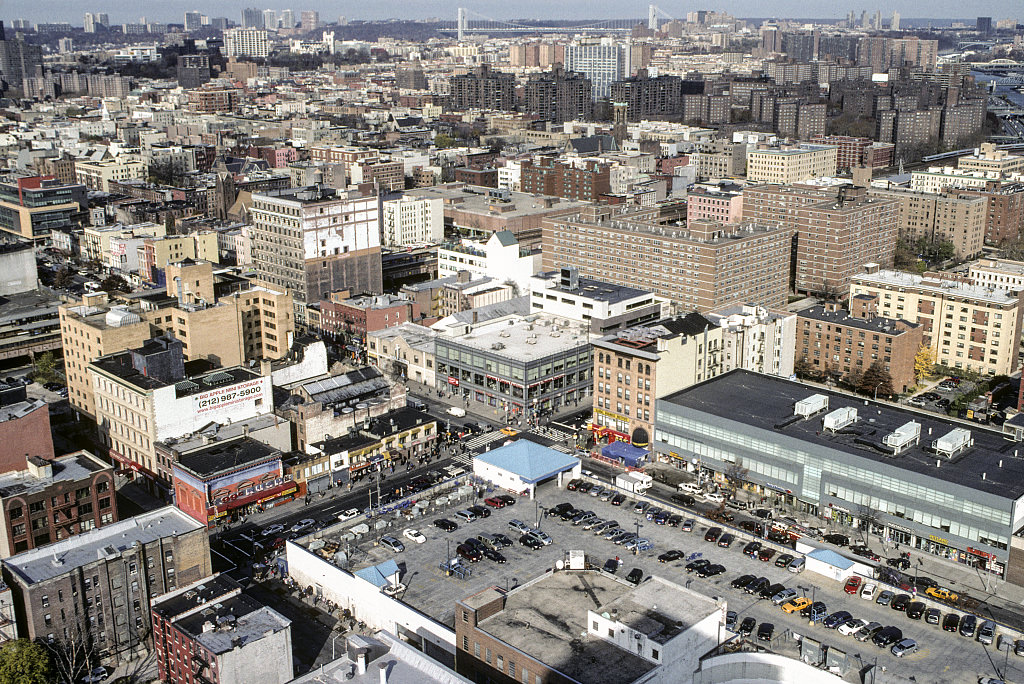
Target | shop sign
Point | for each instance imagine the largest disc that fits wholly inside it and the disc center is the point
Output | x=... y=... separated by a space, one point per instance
x=452 y=380
x=979 y=552
x=249 y=488
x=940 y=540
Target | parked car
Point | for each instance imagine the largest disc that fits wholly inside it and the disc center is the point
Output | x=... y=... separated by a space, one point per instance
x=445 y=524
x=518 y=526
x=942 y=594
x=887 y=636
x=904 y=647
x=987 y=632
x=765 y=631
x=835 y=619
x=900 y=602
x=466 y=515
x=783 y=560
x=711 y=570
x=508 y=500
x=752 y=548
x=932 y=616
x=851 y=626
x=968 y=625
x=611 y=565
x=639 y=545
x=885 y=598
x=868 y=592
x=687 y=525
x=669 y=556
x=392 y=543
x=915 y=611
x=531 y=542
x=713 y=534
x=765 y=554
x=696 y=565
x=481 y=511
x=757 y=586
x=796 y=605
x=868 y=631
x=796 y=565
x=853 y=585
x=494 y=502
x=1018 y=647
x=726 y=540
x=573 y=484
x=470 y=553
x=617 y=499
x=951 y=623
x=635 y=575
x=746 y=627
x=837 y=539
x=542 y=537
x=414 y=535
x=730 y=620
x=783 y=596
x=742 y=581
x=770 y=590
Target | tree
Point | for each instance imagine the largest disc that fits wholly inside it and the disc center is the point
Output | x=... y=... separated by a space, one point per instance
x=442 y=141
x=44 y=368
x=735 y=475
x=803 y=368
x=924 y=362
x=24 y=662
x=64 y=277
x=115 y=283
x=876 y=380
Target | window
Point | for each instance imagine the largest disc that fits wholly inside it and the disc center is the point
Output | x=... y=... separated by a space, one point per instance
x=465 y=642
x=465 y=616
x=45 y=600
x=654 y=653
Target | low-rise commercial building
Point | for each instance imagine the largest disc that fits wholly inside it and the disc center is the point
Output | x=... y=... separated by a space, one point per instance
x=603 y=306
x=656 y=632
x=966 y=326
x=519 y=366
x=99 y=584
x=354 y=317
x=405 y=351
x=921 y=480
x=31 y=207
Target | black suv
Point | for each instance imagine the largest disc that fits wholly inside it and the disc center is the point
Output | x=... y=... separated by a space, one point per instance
x=635 y=575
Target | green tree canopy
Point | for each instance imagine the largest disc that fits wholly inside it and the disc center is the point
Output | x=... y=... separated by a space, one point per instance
x=24 y=662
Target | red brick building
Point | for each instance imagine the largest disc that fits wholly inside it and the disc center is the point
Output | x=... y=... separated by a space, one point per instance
x=360 y=315
x=1005 y=220
x=231 y=478
x=487 y=178
x=585 y=179
x=838 y=343
x=24 y=432
x=853 y=152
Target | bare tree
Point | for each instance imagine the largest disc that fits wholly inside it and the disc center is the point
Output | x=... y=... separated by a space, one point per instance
x=868 y=518
x=73 y=655
x=735 y=474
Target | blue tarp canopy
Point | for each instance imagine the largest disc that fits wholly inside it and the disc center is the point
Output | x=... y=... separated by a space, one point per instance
x=625 y=453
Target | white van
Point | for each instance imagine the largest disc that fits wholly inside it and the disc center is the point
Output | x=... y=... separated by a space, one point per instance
x=457 y=411
x=716 y=497
x=689 y=487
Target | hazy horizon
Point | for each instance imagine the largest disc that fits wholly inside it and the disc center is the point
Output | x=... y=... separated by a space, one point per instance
x=172 y=11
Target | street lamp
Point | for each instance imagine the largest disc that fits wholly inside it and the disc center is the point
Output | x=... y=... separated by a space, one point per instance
x=876 y=389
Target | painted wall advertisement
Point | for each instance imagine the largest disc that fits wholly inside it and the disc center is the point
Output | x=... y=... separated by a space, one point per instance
x=217 y=399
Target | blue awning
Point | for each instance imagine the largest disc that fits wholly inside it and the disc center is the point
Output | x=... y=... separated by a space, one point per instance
x=626 y=453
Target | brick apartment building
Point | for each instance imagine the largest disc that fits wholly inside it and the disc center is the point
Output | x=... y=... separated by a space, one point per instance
x=853 y=152
x=702 y=266
x=209 y=631
x=950 y=216
x=839 y=343
x=95 y=588
x=483 y=88
x=358 y=315
x=558 y=96
x=582 y=179
x=838 y=229
x=1005 y=210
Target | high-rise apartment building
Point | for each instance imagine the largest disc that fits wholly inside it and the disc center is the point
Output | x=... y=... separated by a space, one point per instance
x=287 y=20
x=411 y=220
x=19 y=60
x=252 y=18
x=601 y=60
x=193 y=21
x=952 y=217
x=838 y=229
x=483 y=88
x=315 y=240
x=310 y=20
x=269 y=19
x=246 y=42
x=974 y=327
x=558 y=96
x=702 y=266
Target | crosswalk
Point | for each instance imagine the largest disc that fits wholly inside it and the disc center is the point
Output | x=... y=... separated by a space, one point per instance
x=481 y=441
x=551 y=433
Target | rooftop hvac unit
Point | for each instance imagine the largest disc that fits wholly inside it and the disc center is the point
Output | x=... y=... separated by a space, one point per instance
x=805 y=408
x=905 y=435
x=953 y=442
x=840 y=418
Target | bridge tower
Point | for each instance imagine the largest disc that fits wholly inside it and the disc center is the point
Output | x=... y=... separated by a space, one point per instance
x=462 y=23
x=652 y=17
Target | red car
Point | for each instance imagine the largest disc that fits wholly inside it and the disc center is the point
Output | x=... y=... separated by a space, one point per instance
x=853 y=585
x=494 y=502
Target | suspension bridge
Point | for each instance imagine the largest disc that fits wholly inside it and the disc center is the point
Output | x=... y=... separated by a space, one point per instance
x=470 y=22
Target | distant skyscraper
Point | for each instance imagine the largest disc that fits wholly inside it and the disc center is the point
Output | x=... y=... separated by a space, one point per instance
x=895 y=26
x=269 y=19
x=18 y=60
x=89 y=24
x=21 y=24
x=193 y=21
x=985 y=25
x=287 y=19
x=877 y=23
x=310 y=20
x=252 y=18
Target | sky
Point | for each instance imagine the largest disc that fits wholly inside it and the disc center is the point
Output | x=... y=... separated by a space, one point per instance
x=173 y=10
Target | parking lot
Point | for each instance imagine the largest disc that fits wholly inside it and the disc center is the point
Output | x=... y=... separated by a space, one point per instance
x=942 y=656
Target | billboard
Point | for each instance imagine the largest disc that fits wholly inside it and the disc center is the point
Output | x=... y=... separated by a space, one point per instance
x=217 y=399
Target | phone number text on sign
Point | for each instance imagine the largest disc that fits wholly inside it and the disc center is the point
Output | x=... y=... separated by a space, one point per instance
x=220 y=398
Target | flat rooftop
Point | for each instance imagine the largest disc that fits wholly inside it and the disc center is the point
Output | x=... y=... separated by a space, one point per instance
x=80 y=465
x=20 y=409
x=843 y=317
x=590 y=288
x=643 y=339
x=547 y=619
x=222 y=457
x=54 y=560
x=932 y=285
x=767 y=402
x=531 y=337
x=474 y=199
x=239 y=618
